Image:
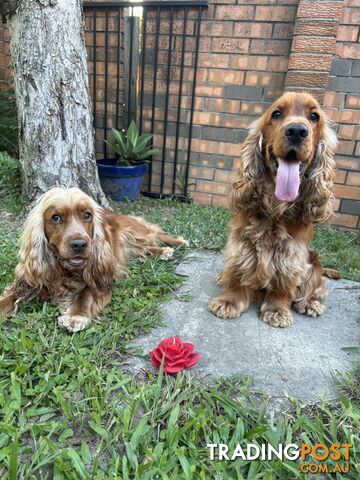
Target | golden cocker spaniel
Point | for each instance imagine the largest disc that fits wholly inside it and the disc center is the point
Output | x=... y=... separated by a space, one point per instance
x=283 y=186
x=73 y=251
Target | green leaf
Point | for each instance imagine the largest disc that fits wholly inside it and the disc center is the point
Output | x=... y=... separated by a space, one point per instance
x=13 y=463
x=132 y=133
x=104 y=434
x=77 y=463
x=185 y=465
x=148 y=154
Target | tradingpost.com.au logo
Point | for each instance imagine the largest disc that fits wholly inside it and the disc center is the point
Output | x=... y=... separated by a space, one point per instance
x=307 y=454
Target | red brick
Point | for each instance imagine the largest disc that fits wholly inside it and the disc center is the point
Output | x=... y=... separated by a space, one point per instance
x=353 y=101
x=214 y=61
x=349 y=132
x=348 y=51
x=302 y=61
x=264 y=79
x=278 y=64
x=344 y=220
x=347 y=162
x=344 y=191
x=337 y=202
x=220 y=201
x=222 y=105
x=204 y=173
x=205 y=146
x=230 y=149
x=333 y=99
x=347 y=33
x=348 y=116
x=353 y=178
x=236 y=121
x=217 y=29
x=319 y=9
x=206 y=118
x=252 y=108
x=238 y=12
x=307 y=80
x=345 y=147
x=212 y=187
x=340 y=176
x=252 y=30
x=204 y=90
x=229 y=76
x=316 y=27
x=202 y=198
x=314 y=44
x=275 y=13
x=272 y=94
x=248 y=62
x=225 y=176
x=230 y=45
x=350 y=16
x=283 y=30
x=270 y=47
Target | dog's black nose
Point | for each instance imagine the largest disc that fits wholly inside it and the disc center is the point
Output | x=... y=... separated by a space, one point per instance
x=296 y=132
x=78 y=246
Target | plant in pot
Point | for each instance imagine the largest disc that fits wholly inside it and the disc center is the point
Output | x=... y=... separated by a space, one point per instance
x=122 y=177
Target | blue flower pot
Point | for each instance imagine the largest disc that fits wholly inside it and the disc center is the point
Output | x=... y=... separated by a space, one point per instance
x=121 y=182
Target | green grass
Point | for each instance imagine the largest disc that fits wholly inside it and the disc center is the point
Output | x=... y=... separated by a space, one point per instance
x=207 y=228
x=70 y=410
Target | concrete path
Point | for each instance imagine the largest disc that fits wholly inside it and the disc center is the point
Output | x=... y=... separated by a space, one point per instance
x=298 y=361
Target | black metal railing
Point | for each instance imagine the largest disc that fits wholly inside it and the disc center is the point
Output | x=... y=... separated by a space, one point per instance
x=143 y=66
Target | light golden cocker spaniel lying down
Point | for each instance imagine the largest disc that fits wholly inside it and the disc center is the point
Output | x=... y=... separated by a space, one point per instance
x=283 y=187
x=73 y=252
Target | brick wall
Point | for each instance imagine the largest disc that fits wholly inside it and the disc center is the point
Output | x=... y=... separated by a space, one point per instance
x=342 y=104
x=5 y=60
x=243 y=60
x=250 y=52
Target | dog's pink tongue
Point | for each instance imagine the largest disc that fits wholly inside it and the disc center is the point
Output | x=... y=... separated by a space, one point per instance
x=77 y=260
x=287 y=180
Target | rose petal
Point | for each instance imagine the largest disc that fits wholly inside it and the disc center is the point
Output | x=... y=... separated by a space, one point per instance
x=156 y=353
x=172 y=369
x=155 y=362
x=192 y=360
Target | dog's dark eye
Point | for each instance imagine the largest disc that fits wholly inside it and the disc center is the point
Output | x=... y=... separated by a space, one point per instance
x=87 y=216
x=56 y=218
x=276 y=114
x=314 y=117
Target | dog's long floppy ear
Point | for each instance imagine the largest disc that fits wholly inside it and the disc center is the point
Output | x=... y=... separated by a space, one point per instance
x=317 y=192
x=101 y=271
x=245 y=188
x=37 y=266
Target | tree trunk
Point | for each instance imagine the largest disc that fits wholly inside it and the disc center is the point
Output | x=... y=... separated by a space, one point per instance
x=52 y=94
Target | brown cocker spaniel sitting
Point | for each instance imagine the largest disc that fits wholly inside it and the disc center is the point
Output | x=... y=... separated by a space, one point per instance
x=73 y=251
x=284 y=186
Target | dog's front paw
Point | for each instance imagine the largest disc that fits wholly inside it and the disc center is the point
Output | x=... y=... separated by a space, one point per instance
x=73 y=323
x=167 y=254
x=278 y=318
x=224 y=308
x=185 y=242
x=312 y=308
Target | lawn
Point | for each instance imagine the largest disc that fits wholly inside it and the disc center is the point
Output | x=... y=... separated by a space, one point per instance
x=70 y=410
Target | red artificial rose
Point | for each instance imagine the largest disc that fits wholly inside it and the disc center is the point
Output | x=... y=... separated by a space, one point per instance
x=177 y=355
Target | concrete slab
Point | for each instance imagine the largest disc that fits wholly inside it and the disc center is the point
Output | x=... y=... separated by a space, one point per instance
x=298 y=361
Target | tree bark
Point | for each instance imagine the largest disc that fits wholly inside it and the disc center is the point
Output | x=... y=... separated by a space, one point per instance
x=52 y=94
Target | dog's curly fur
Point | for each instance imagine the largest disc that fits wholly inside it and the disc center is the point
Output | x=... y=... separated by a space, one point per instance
x=80 y=281
x=267 y=255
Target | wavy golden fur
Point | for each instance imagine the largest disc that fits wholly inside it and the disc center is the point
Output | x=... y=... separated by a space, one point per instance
x=73 y=251
x=283 y=186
